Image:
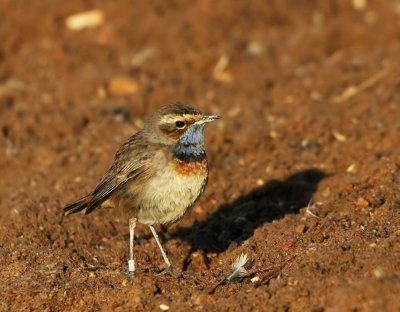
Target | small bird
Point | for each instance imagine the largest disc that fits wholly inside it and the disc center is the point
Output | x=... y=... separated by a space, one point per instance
x=157 y=174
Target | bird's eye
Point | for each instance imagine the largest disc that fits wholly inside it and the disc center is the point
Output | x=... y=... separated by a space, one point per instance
x=180 y=124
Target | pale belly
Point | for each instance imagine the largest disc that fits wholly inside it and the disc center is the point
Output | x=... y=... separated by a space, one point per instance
x=166 y=197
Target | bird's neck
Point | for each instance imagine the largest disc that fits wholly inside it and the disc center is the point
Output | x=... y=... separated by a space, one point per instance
x=191 y=145
x=189 y=152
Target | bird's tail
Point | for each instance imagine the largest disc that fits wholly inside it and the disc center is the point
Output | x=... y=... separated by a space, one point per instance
x=77 y=206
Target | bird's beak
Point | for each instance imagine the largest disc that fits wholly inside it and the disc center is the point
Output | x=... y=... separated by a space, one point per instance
x=207 y=119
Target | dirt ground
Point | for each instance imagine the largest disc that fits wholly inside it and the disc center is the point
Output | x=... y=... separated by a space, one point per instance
x=304 y=165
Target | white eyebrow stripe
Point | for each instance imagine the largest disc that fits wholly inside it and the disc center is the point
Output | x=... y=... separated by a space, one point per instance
x=171 y=118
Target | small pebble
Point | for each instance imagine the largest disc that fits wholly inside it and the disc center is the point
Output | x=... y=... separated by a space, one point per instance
x=301 y=228
x=220 y=73
x=351 y=168
x=138 y=123
x=164 y=307
x=273 y=134
x=359 y=5
x=101 y=93
x=86 y=19
x=255 y=279
x=142 y=56
x=339 y=136
x=288 y=245
x=255 y=48
x=122 y=86
x=379 y=273
x=362 y=203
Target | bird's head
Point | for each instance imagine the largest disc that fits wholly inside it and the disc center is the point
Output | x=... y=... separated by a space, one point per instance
x=178 y=124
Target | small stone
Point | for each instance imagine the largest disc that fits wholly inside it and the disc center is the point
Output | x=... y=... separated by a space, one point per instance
x=273 y=134
x=122 y=86
x=86 y=19
x=351 y=168
x=379 y=273
x=164 y=307
x=362 y=203
x=138 y=123
x=339 y=136
x=255 y=279
x=288 y=245
x=359 y=5
x=301 y=228
x=223 y=77
x=255 y=48
x=142 y=56
x=220 y=72
x=101 y=93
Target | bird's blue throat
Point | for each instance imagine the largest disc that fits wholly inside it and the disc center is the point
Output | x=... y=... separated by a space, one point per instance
x=191 y=145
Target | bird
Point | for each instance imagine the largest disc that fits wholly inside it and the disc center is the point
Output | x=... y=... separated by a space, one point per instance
x=157 y=174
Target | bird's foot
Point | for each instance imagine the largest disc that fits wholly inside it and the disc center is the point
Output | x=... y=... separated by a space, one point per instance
x=169 y=270
x=131 y=268
x=132 y=275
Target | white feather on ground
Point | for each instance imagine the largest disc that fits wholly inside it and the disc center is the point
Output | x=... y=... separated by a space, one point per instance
x=238 y=267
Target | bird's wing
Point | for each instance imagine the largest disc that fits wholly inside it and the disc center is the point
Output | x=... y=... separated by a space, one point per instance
x=132 y=161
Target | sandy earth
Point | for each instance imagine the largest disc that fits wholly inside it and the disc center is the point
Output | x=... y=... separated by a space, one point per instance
x=309 y=92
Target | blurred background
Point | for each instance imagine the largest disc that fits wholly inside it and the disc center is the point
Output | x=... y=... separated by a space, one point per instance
x=309 y=95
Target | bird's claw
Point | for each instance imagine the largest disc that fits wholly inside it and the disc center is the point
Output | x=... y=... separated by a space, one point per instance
x=169 y=270
x=132 y=275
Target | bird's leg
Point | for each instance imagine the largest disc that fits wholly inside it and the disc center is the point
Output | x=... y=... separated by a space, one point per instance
x=168 y=264
x=131 y=261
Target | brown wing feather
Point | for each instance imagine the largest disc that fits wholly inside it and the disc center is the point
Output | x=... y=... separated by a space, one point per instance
x=104 y=190
x=131 y=161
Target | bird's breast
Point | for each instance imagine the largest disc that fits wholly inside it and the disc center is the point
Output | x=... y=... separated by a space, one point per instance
x=188 y=169
x=174 y=188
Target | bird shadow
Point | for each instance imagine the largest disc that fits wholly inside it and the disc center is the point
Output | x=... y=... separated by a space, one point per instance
x=235 y=222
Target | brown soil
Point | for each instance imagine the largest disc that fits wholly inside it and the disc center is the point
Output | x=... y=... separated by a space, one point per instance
x=310 y=100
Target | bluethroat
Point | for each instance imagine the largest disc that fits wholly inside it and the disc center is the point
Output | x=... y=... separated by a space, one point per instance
x=157 y=174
